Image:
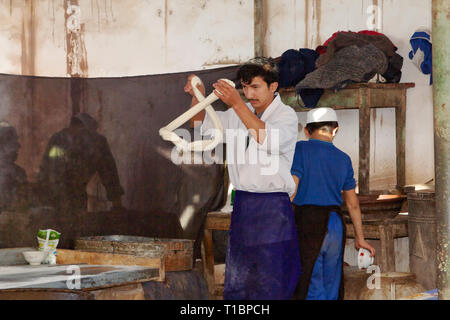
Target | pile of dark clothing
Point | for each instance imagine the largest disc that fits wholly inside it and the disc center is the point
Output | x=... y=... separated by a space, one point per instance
x=354 y=57
x=346 y=57
x=293 y=66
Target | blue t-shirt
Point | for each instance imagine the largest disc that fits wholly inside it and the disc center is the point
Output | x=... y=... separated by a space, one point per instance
x=323 y=171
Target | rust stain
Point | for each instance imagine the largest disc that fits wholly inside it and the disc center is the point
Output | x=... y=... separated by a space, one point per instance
x=76 y=54
x=28 y=39
x=225 y=60
x=10 y=7
x=83 y=53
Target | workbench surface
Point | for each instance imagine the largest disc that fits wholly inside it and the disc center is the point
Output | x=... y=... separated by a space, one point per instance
x=58 y=276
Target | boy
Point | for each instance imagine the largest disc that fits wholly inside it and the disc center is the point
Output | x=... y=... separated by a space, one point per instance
x=321 y=172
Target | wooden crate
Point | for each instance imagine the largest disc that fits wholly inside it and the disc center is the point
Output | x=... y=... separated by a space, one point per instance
x=65 y=256
x=178 y=253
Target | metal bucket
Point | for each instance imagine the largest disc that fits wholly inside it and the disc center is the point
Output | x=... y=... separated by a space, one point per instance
x=422 y=237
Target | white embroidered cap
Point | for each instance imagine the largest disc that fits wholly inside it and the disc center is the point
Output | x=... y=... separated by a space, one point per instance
x=321 y=115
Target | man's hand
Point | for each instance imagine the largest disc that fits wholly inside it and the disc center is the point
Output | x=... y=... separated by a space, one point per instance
x=188 y=87
x=227 y=93
x=361 y=243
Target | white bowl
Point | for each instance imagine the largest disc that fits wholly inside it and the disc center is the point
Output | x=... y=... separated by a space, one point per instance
x=34 y=258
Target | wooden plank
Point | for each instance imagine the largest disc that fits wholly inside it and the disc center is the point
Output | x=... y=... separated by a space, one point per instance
x=364 y=142
x=371 y=230
x=387 y=255
x=65 y=256
x=208 y=260
x=387 y=95
x=400 y=124
x=218 y=221
x=259 y=27
x=178 y=252
x=62 y=276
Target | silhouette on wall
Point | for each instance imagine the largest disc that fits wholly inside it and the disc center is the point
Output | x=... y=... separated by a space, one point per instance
x=12 y=177
x=72 y=157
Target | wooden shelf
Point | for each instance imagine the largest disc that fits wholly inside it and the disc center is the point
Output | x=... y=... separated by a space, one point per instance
x=365 y=96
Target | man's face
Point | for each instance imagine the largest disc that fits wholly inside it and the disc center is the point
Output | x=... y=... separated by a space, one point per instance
x=258 y=93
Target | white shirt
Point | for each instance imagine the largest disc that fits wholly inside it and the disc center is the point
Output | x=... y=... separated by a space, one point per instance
x=261 y=167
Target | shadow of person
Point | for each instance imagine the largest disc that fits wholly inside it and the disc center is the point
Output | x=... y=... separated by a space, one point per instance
x=72 y=157
x=13 y=179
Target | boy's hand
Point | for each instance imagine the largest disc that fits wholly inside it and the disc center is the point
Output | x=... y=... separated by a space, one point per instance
x=361 y=243
x=227 y=93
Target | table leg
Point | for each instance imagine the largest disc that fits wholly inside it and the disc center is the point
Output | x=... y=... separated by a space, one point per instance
x=387 y=254
x=400 y=122
x=364 y=142
x=208 y=260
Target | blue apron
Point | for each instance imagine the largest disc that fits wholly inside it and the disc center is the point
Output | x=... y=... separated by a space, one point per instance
x=263 y=257
x=327 y=272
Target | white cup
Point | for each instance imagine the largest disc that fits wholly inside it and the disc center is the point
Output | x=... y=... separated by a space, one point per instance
x=364 y=259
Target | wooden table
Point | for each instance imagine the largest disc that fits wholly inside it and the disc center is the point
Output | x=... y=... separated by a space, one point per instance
x=214 y=221
x=365 y=96
x=385 y=230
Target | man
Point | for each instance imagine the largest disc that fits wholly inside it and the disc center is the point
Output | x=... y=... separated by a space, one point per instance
x=321 y=172
x=72 y=157
x=262 y=260
x=12 y=177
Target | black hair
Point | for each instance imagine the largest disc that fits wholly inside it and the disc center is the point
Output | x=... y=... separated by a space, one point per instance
x=326 y=125
x=260 y=66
